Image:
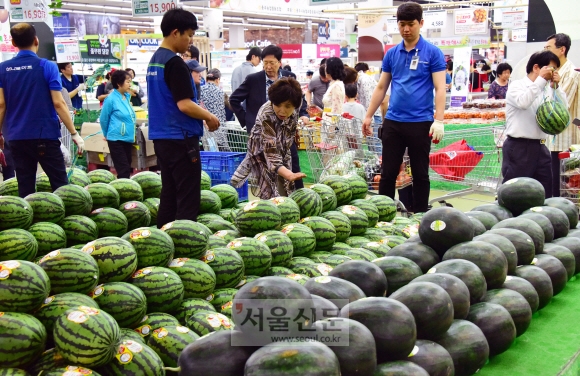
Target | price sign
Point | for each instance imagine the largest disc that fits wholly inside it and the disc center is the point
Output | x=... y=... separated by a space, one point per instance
x=28 y=10
x=513 y=20
x=67 y=50
x=148 y=8
x=434 y=20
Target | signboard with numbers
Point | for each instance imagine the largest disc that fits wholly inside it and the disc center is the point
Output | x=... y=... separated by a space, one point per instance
x=28 y=10
x=471 y=20
x=434 y=20
x=513 y=20
x=148 y=8
x=67 y=50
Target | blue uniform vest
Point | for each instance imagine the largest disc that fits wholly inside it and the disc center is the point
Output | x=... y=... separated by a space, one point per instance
x=30 y=112
x=166 y=121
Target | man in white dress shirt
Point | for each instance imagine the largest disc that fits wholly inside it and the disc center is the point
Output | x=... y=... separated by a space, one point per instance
x=525 y=153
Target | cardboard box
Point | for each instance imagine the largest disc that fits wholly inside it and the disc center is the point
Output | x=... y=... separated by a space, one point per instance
x=97 y=142
x=149 y=149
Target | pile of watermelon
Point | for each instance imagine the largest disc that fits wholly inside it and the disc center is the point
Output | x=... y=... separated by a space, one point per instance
x=87 y=285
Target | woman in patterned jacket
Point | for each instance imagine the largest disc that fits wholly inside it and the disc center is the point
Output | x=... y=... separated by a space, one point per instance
x=213 y=99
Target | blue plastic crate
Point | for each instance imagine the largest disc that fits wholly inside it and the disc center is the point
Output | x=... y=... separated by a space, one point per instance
x=220 y=165
x=242 y=192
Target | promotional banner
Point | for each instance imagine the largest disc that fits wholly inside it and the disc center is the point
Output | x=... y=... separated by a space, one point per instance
x=471 y=20
x=94 y=24
x=67 y=50
x=331 y=31
x=62 y=26
x=143 y=45
x=327 y=50
x=454 y=42
x=294 y=7
x=5 y=37
x=291 y=51
x=29 y=11
x=373 y=35
x=460 y=78
x=101 y=50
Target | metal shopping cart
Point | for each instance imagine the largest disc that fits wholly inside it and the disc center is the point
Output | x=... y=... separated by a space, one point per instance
x=66 y=142
x=570 y=176
x=469 y=159
x=230 y=137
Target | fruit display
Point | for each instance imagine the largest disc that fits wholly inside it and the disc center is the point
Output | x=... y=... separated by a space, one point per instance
x=476 y=112
x=439 y=300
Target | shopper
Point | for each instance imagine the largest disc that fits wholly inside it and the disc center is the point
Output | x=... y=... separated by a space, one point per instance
x=32 y=127
x=73 y=83
x=104 y=89
x=269 y=157
x=499 y=87
x=254 y=91
x=118 y=123
x=213 y=99
x=351 y=106
x=334 y=97
x=240 y=73
x=317 y=87
x=525 y=153
x=413 y=69
x=366 y=85
x=196 y=70
x=448 y=74
x=136 y=91
x=559 y=44
x=176 y=120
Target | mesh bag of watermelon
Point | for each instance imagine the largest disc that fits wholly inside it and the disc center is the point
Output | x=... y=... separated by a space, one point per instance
x=552 y=115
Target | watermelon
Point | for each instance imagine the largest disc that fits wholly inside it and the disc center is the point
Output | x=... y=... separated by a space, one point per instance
x=308 y=201
x=457 y=290
x=207 y=218
x=540 y=280
x=390 y=229
x=204 y=322
x=9 y=187
x=100 y=176
x=359 y=221
x=516 y=305
x=520 y=194
x=360 y=254
x=66 y=370
x=162 y=287
x=424 y=256
x=125 y=302
x=103 y=195
x=358 y=186
x=48 y=360
x=154 y=321
x=258 y=216
x=340 y=222
x=323 y=230
x=78 y=177
x=467 y=272
x=47 y=207
x=467 y=346
x=496 y=324
x=341 y=188
x=289 y=210
x=326 y=195
x=56 y=305
x=319 y=256
x=227 y=235
x=23 y=286
x=504 y=245
x=189 y=238
x=15 y=212
x=228 y=214
x=96 y=334
x=227 y=194
x=370 y=210
x=555 y=269
x=130 y=334
x=22 y=339
x=79 y=229
x=16 y=244
x=221 y=297
x=393 y=240
x=478 y=227
x=210 y=202
x=77 y=201
x=150 y=183
x=544 y=223
x=379 y=249
x=49 y=237
x=190 y=306
x=317 y=269
x=524 y=245
x=525 y=288
x=366 y=275
x=205 y=181
x=302 y=237
x=153 y=246
x=280 y=245
x=339 y=291
x=143 y=361
x=432 y=357
x=374 y=234
x=136 y=213
x=256 y=255
x=528 y=226
x=386 y=207
x=43 y=183
x=153 y=205
x=169 y=341
x=399 y=367
x=567 y=207
x=557 y=217
x=488 y=220
x=496 y=210
x=219 y=225
x=398 y=270
x=110 y=222
x=227 y=265
x=116 y=258
x=70 y=270
x=128 y=189
x=573 y=245
x=444 y=227
x=552 y=117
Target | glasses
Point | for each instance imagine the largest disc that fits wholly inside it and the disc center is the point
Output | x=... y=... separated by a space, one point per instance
x=270 y=63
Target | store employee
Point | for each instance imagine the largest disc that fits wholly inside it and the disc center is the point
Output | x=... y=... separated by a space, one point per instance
x=32 y=127
x=72 y=83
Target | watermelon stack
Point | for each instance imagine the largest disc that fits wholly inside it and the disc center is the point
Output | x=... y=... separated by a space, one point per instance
x=15 y=212
x=150 y=183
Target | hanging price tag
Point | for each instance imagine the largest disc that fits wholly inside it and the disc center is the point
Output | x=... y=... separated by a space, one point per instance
x=147 y=8
x=28 y=10
x=434 y=20
x=67 y=50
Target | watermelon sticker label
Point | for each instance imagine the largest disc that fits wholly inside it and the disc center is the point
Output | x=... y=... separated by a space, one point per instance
x=1 y=314
x=52 y=254
x=304 y=219
x=251 y=205
x=349 y=209
x=262 y=237
x=414 y=352
x=242 y=282
x=373 y=244
x=99 y=290
x=295 y=277
x=124 y=355
x=77 y=317
x=511 y=181
x=178 y=262
x=76 y=371
x=96 y=211
x=438 y=225
x=324 y=279
x=144 y=330
x=228 y=305
x=89 y=247
x=209 y=256
x=534 y=261
x=135 y=347
x=160 y=333
x=235 y=244
x=182 y=329
x=213 y=320
x=130 y=205
x=6 y=268
x=167 y=226
x=278 y=200
x=142 y=273
x=48 y=300
x=537 y=209
x=139 y=234
x=221 y=233
x=209 y=298
x=287 y=229
x=431 y=271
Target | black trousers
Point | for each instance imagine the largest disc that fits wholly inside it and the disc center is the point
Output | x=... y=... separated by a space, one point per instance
x=8 y=170
x=121 y=155
x=296 y=165
x=26 y=155
x=527 y=158
x=181 y=179
x=555 y=174
x=396 y=137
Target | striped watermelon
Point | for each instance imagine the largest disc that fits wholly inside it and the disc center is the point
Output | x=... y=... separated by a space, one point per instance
x=79 y=230
x=205 y=181
x=324 y=232
x=220 y=225
x=340 y=222
x=162 y=287
x=101 y=176
x=43 y=183
x=78 y=177
x=70 y=270
x=116 y=258
x=377 y=248
x=319 y=256
x=13 y=372
x=360 y=254
x=336 y=260
x=552 y=117
x=130 y=334
x=16 y=244
x=95 y=335
x=386 y=206
x=358 y=186
x=15 y=212
x=374 y=234
x=302 y=237
x=359 y=222
x=289 y=210
x=153 y=205
x=313 y=270
x=110 y=222
x=48 y=360
x=207 y=218
x=357 y=241
x=205 y=229
x=278 y=271
x=9 y=187
x=169 y=341
x=153 y=246
x=143 y=361
x=228 y=214
x=56 y=305
x=205 y=322
x=198 y=278
x=389 y=228
x=256 y=255
x=340 y=187
x=370 y=210
x=190 y=306
x=340 y=246
x=227 y=265
x=150 y=183
x=299 y=278
x=125 y=302
x=154 y=321
x=280 y=245
x=129 y=190
x=23 y=286
x=103 y=195
x=70 y=370
x=77 y=201
x=296 y=262
x=221 y=297
x=136 y=213
x=227 y=235
x=189 y=238
x=393 y=240
x=22 y=339
x=228 y=195
x=308 y=201
x=327 y=195
x=49 y=237
x=217 y=242
x=258 y=216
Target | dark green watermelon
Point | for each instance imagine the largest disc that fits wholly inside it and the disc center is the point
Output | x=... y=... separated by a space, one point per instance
x=366 y=275
x=433 y=358
x=487 y=219
x=505 y=246
x=520 y=194
x=467 y=346
x=555 y=270
x=399 y=368
x=573 y=244
x=421 y=254
x=466 y=271
x=456 y=288
x=565 y=256
x=444 y=227
x=524 y=288
x=524 y=244
x=324 y=307
x=496 y=210
x=496 y=324
x=517 y=306
x=566 y=206
x=339 y=291
x=559 y=219
x=540 y=280
x=398 y=270
x=543 y=222
x=478 y=227
x=528 y=226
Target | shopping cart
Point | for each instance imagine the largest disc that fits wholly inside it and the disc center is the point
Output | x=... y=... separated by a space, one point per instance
x=570 y=176
x=230 y=137
x=66 y=142
x=472 y=164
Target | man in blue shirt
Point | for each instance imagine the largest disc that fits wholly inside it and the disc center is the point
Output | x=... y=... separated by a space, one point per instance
x=32 y=127
x=413 y=69
x=73 y=83
x=176 y=120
